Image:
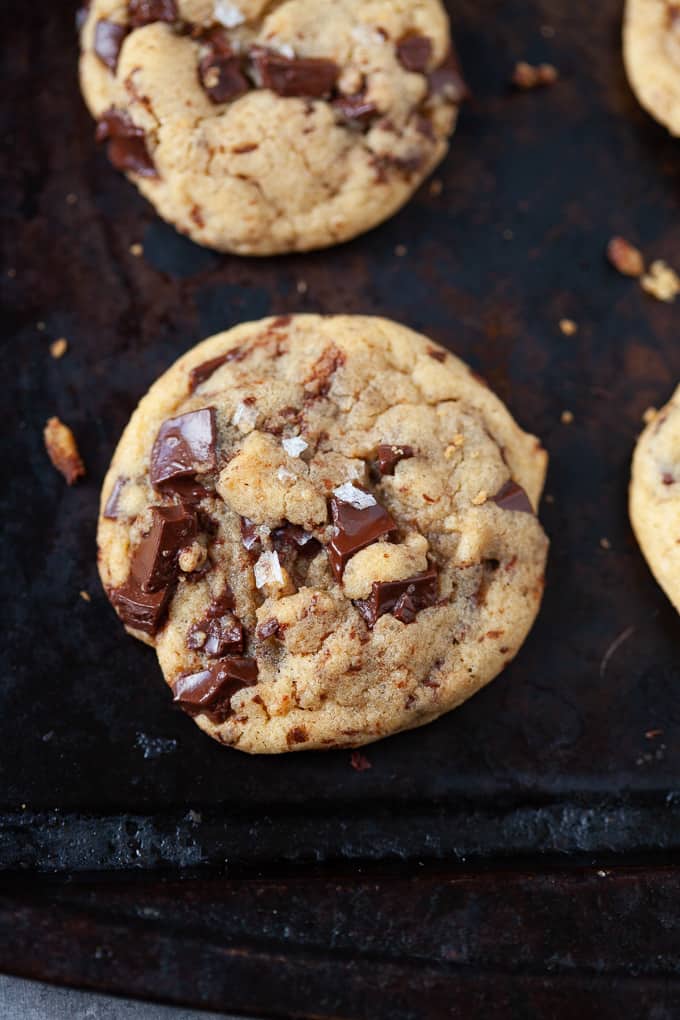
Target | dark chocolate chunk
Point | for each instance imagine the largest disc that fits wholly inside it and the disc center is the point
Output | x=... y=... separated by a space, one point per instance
x=249 y=535
x=414 y=52
x=201 y=372
x=512 y=496
x=144 y=12
x=404 y=599
x=356 y=109
x=220 y=632
x=184 y=447
x=294 y=76
x=667 y=478
x=389 y=457
x=108 y=39
x=111 y=508
x=154 y=564
x=126 y=143
x=220 y=69
x=354 y=530
x=267 y=629
x=292 y=536
x=210 y=690
x=188 y=490
x=435 y=353
x=141 y=610
x=447 y=82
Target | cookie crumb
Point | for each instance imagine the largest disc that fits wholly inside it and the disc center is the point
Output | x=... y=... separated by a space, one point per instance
x=11 y=272
x=529 y=76
x=649 y=415
x=137 y=249
x=662 y=282
x=62 y=450
x=85 y=596
x=568 y=327
x=567 y=417
x=436 y=188
x=401 y=250
x=58 y=348
x=653 y=734
x=480 y=498
x=605 y=543
x=41 y=326
x=625 y=257
x=549 y=498
x=359 y=762
x=71 y=198
x=302 y=287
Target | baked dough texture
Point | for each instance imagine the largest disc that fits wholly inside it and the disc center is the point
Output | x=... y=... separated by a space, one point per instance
x=651 y=47
x=268 y=126
x=655 y=497
x=326 y=527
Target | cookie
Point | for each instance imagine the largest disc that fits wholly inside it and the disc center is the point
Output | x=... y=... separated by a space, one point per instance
x=655 y=497
x=651 y=47
x=261 y=127
x=326 y=526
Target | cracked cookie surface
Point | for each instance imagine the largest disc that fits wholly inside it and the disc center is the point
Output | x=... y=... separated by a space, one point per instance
x=326 y=527
x=267 y=126
x=651 y=48
x=655 y=496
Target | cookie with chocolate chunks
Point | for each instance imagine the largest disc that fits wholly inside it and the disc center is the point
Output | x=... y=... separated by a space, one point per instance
x=318 y=120
x=326 y=528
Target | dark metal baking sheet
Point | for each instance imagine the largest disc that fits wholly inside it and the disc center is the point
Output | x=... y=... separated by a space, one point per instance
x=97 y=770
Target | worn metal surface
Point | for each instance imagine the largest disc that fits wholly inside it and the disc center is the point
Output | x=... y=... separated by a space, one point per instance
x=553 y=755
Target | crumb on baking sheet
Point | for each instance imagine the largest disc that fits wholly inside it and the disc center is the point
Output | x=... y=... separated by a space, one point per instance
x=85 y=596
x=481 y=498
x=62 y=450
x=359 y=762
x=436 y=187
x=401 y=250
x=662 y=282
x=58 y=348
x=532 y=76
x=567 y=417
x=137 y=250
x=568 y=327
x=302 y=286
x=625 y=257
x=605 y=543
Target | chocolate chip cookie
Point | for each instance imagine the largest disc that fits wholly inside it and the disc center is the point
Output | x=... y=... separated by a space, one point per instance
x=655 y=497
x=327 y=528
x=651 y=46
x=261 y=127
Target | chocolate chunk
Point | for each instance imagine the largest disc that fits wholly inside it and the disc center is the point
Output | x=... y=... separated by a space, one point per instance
x=188 y=490
x=220 y=69
x=438 y=355
x=404 y=599
x=111 y=509
x=389 y=457
x=294 y=76
x=267 y=629
x=667 y=478
x=354 y=530
x=220 y=632
x=108 y=39
x=154 y=564
x=139 y=609
x=201 y=372
x=447 y=82
x=183 y=447
x=356 y=109
x=249 y=535
x=414 y=52
x=292 y=537
x=210 y=691
x=144 y=12
x=512 y=496
x=126 y=143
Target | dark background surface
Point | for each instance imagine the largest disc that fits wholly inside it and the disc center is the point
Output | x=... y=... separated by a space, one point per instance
x=97 y=772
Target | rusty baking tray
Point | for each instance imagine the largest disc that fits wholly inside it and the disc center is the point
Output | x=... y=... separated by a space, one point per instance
x=574 y=749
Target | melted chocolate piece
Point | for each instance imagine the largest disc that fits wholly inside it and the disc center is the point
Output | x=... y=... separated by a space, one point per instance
x=210 y=690
x=111 y=509
x=447 y=82
x=220 y=632
x=141 y=610
x=512 y=496
x=389 y=457
x=108 y=39
x=249 y=535
x=126 y=143
x=404 y=599
x=354 y=530
x=293 y=537
x=154 y=564
x=294 y=76
x=183 y=447
x=414 y=52
x=201 y=372
x=356 y=109
x=188 y=490
x=144 y=12
x=220 y=69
